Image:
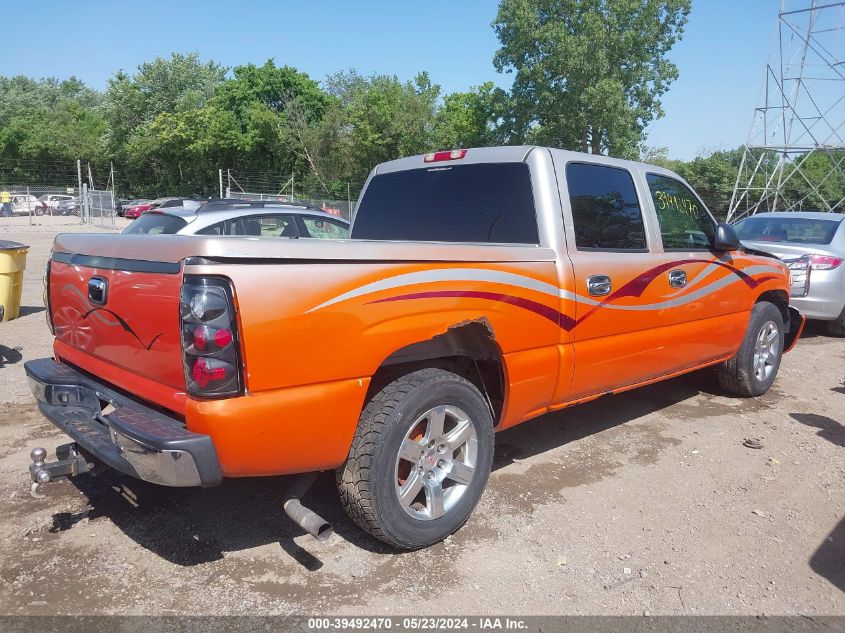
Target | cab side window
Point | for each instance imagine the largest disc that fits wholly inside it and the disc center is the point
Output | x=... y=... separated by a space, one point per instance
x=605 y=208
x=684 y=222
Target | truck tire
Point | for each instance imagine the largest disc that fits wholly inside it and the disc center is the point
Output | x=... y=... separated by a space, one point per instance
x=420 y=459
x=754 y=368
x=837 y=326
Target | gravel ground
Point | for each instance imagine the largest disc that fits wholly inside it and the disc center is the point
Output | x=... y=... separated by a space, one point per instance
x=645 y=502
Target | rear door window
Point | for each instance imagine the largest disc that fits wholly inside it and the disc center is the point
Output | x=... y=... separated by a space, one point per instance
x=684 y=222
x=324 y=228
x=605 y=208
x=486 y=202
x=270 y=225
x=155 y=224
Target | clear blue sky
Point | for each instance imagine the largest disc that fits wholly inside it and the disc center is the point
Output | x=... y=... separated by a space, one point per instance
x=721 y=58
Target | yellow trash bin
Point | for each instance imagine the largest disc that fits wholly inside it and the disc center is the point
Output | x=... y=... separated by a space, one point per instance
x=12 y=265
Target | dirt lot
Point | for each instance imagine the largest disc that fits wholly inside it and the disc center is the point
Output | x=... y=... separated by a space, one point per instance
x=644 y=502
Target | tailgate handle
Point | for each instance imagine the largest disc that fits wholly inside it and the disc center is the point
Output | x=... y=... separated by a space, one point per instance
x=98 y=291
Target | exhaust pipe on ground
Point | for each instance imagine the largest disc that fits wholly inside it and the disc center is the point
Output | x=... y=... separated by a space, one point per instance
x=308 y=520
x=304 y=517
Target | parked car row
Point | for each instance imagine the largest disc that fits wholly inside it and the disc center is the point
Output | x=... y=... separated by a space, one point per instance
x=135 y=208
x=46 y=204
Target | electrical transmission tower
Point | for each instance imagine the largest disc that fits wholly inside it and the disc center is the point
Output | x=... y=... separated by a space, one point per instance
x=795 y=155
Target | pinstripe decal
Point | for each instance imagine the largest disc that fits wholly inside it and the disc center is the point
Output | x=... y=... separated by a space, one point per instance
x=556 y=317
x=633 y=288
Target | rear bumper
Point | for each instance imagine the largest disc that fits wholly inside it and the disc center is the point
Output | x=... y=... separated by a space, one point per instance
x=821 y=293
x=820 y=307
x=133 y=438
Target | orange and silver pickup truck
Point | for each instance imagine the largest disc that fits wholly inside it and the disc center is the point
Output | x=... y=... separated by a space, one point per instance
x=479 y=289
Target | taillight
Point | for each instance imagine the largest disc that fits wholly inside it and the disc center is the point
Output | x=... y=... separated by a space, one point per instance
x=211 y=355
x=436 y=157
x=824 y=262
x=46 y=295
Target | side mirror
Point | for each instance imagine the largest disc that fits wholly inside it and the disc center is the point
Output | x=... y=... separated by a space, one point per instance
x=726 y=238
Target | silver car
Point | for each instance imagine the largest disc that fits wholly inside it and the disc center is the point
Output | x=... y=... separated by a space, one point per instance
x=276 y=220
x=813 y=246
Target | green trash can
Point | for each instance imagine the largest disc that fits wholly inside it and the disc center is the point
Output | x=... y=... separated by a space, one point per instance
x=12 y=265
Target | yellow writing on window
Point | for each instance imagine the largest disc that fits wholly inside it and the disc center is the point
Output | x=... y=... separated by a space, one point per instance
x=672 y=202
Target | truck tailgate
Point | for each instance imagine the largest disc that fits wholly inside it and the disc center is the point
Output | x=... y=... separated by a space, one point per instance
x=121 y=312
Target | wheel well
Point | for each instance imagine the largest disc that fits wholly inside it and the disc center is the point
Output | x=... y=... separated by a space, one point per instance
x=468 y=350
x=780 y=299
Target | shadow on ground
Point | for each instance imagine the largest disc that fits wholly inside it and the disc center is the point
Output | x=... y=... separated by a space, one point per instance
x=829 y=559
x=193 y=526
x=27 y=310
x=830 y=429
x=816 y=329
x=9 y=356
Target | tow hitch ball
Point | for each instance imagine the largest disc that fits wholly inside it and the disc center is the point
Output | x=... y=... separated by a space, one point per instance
x=68 y=463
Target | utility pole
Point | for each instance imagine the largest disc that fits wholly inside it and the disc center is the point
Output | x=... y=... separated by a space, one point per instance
x=798 y=118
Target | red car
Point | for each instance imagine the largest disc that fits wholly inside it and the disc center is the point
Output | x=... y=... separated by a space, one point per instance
x=135 y=211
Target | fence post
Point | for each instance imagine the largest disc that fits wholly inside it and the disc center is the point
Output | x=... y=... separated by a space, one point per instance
x=79 y=190
x=86 y=210
x=220 y=177
x=113 y=212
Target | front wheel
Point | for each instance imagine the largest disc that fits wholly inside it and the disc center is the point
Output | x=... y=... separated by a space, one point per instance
x=420 y=459
x=754 y=368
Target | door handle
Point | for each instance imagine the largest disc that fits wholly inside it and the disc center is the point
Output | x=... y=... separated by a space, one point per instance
x=598 y=285
x=677 y=278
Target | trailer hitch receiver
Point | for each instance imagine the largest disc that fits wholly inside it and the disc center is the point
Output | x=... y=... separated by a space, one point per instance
x=69 y=462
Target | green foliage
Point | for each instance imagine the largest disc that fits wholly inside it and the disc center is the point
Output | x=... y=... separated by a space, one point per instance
x=471 y=119
x=383 y=118
x=47 y=123
x=589 y=74
x=816 y=169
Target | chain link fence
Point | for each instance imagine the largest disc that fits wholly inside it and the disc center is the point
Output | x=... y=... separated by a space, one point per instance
x=268 y=186
x=98 y=208
x=70 y=194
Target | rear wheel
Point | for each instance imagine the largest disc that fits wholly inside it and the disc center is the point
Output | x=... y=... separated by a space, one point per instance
x=754 y=368
x=837 y=326
x=420 y=459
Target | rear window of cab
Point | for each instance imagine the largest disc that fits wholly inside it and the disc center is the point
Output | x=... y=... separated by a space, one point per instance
x=485 y=202
x=155 y=224
x=781 y=229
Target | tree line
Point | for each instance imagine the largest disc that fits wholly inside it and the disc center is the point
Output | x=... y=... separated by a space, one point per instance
x=588 y=75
